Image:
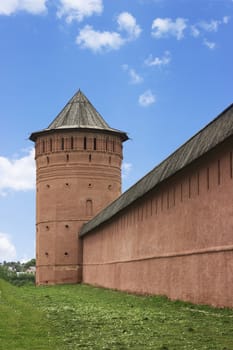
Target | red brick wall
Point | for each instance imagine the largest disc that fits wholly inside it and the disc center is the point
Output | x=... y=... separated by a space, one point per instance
x=175 y=241
x=78 y=174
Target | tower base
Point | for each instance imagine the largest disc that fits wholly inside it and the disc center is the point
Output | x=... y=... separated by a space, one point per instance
x=58 y=274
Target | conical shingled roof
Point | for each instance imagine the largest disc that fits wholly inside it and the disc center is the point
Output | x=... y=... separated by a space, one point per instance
x=79 y=113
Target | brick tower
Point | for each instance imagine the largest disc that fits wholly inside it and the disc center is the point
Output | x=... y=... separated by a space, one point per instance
x=78 y=161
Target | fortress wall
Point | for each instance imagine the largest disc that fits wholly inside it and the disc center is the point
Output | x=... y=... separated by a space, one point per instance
x=177 y=240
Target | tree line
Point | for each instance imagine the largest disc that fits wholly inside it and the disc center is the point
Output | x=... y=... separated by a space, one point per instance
x=17 y=272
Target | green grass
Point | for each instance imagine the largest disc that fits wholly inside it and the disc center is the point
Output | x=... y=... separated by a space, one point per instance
x=84 y=317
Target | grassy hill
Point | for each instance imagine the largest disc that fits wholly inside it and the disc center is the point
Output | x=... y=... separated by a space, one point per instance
x=84 y=317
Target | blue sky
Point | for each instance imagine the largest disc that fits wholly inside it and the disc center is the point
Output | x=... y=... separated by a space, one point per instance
x=157 y=69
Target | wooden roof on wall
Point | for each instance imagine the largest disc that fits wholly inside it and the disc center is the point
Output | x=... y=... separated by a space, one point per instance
x=206 y=139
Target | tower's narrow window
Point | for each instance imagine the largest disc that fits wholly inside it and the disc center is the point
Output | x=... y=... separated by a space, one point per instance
x=89 y=207
x=219 y=172
x=231 y=165
x=85 y=143
x=208 y=178
x=43 y=146
x=94 y=144
x=89 y=157
x=47 y=160
x=162 y=201
x=113 y=146
x=72 y=142
x=62 y=143
x=110 y=160
x=106 y=144
x=189 y=187
x=50 y=145
x=168 y=199
x=67 y=157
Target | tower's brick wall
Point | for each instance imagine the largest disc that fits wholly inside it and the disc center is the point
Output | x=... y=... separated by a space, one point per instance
x=78 y=174
x=177 y=240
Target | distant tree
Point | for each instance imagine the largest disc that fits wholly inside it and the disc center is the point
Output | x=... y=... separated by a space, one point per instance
x=29 y=263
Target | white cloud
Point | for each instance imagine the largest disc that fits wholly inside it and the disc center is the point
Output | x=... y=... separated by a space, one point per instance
x=7 y=248
x=146 y=99
x=126 y=169
x=17 y=174
x=24 y=259
x=99 y=41
x=8 y=7
x=127 y=22
x=195 y=32
x=210 y=44
x=79 y=9
x=199 y=29
x=158 y=61
x=135 y=78
x=165 y=27
x=211 y=26
x=226 y=19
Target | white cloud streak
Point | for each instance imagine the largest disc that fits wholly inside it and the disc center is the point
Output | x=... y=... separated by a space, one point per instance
x=9 y=7
x=226 y=19
x=135 y=78
x=7 y=248
x=79 y=9
x=211 y=26
x=208 y=26
x=158 y=61
x=166 y=27
x=126 y=169
x=195 y=32
x=210 y=44
x=17 y=174
x=146 y=99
